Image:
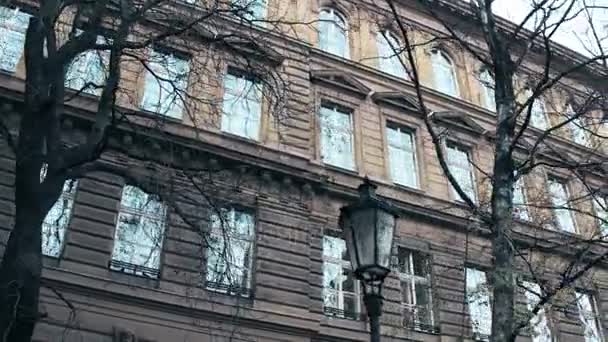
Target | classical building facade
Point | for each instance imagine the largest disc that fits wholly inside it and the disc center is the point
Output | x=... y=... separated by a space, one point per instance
x=133 y=269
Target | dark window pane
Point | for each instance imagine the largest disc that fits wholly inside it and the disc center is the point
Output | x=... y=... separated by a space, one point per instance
x=404 y=261
x=420 y=264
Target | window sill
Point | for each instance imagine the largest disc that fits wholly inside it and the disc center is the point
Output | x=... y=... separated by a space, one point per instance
x=8 y=72
x=408 y=188
x=240 y=137
x=82 y=94
x=340 y=169
x=51 y=261
x=156 y=116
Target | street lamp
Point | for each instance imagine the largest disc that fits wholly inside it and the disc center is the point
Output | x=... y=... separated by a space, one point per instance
x=368 y=227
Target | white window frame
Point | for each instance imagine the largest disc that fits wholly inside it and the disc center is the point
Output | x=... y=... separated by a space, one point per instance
x=153 y=249
x=455 y=168
x=479 y=302
x=488 y=84
x=242 y=107
x=58 y=218
x=394 y=149
x=589 y=317
x=165 y=88
x=538 y=116
x=389 y=61
x=13 y=28
x=337 y=26
x=228 y=269
x=600 y=206
x=88 y=67
x=540 y=330
x=520 y=200
x=412 y=280
x=443 y=65
x=345 y=267
x=330 y=131
x=561 y=208
x=579 y=134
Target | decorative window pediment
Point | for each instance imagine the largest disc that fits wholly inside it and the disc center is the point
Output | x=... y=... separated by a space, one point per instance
x=397 y=99
x=341 y=80
x=459 y=119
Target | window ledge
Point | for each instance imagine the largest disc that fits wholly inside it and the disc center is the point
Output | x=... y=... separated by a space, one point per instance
x=8 y=73
x=240 y=138
x=408 y=188
x=82 y=94
x=158 y=116
x=335 y=168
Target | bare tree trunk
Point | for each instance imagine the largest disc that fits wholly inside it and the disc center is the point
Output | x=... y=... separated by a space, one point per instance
x=21 y=266
x=502 y=209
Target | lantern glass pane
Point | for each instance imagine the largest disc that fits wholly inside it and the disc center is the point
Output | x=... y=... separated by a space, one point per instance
x=385 y=225
x=363 y=227
x=348 y=230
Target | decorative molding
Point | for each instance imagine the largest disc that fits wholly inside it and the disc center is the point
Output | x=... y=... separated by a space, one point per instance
x=459 y=119
x=341 y=80
x=397 y=99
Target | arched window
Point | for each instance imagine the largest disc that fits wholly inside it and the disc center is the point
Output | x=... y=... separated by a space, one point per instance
x=444 y=73
x=388 y=60
x=333 y=32
x=487 y=89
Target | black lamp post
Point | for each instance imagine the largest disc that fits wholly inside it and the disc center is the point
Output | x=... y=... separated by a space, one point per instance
x=368 y=228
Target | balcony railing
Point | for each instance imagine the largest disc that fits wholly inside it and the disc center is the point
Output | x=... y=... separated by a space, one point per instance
x=347 y=314
x=134 y=269
x=228 y=288
x=419 y=318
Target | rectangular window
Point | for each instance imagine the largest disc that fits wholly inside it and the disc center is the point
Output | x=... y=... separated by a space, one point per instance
x=139 y=233
x=165 y=85
x=458 y=161
x=478 y=296
x=539 y=325
x=87 y=72
x=416 y=293
x=230 y=251
x=520 y=208
x=601 y=212
x=538 y=116
x=587 y=313
x=13 y=26
x=559 y=199
x=337 y=145
x=402 y=155
x=56 y=222
x=340 y=288
x=242 y=109
x=577 y=127
x=579 y=132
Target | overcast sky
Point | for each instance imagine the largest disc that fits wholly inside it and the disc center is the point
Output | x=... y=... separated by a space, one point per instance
x=576 y=33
